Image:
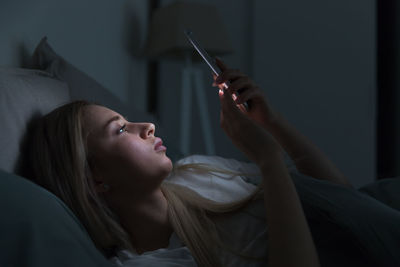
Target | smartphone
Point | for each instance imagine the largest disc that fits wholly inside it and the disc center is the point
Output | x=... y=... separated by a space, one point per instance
x=207 y=58
x=203 y=53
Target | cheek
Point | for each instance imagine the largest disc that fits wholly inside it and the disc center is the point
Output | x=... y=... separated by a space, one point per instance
x=134 y=160
x=134 y=163
x=145 y=163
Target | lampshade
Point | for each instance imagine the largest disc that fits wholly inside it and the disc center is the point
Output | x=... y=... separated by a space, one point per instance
x=166 y=32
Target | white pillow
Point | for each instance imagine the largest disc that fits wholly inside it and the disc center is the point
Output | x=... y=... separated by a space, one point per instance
x=24 y=95
x=81 y=85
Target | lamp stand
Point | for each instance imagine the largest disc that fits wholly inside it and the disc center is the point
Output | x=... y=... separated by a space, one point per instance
x=192 y=79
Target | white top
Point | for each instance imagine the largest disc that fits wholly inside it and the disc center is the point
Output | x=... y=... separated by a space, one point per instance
x=245 y=231
x=173 y=256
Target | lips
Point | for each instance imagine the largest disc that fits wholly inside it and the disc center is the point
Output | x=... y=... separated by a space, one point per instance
x=159 y=145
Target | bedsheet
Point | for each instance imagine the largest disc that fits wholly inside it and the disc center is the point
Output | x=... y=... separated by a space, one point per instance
x=349 y=227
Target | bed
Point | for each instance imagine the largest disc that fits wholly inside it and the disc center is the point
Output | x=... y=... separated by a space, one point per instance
x=37 y=229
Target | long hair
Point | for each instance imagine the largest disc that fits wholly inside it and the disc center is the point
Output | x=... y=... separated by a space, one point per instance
x=59 y=161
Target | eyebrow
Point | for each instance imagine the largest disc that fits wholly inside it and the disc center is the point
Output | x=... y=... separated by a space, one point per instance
x=115 y=118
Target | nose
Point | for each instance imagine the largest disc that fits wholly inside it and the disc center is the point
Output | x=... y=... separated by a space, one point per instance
x=148 y=130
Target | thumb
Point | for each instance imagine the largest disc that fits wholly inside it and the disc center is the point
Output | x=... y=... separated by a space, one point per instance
x=221 y=64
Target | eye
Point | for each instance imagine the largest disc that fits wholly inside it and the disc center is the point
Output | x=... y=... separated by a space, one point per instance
x=122 y=129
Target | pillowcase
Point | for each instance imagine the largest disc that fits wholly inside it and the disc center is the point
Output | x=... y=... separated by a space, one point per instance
x=38 y=229
x=24 y=95
x=81 y=85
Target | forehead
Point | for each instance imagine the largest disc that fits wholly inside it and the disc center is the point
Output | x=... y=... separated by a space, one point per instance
x=95 y=117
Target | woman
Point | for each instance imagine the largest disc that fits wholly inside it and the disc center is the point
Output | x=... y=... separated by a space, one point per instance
x=111 y=173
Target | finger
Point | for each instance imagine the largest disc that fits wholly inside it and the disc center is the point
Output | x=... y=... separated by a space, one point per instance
x=227 y=102
x=233 y=113
x=242 y=108
x=221 y=64
x=221 y=86
x=214 y=84
x=229 y=75
x=228 y=119
x=227 y=105
x=240 y=85
x=247 y=95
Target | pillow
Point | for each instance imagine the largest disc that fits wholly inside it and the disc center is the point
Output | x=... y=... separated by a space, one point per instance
x=82 y=86
x=386 y=191
x=40 y=230
x=349 y=228
x=24 y=95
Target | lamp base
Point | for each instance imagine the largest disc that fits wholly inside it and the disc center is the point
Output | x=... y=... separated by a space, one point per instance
x=192 y=79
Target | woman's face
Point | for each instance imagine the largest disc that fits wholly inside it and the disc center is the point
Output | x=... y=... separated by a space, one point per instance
x=126 y=156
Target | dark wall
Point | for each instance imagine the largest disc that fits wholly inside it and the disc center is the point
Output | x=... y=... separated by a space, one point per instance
x=317 y=62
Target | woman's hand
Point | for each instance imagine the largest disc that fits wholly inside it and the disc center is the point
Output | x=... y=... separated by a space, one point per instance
x=290 y=240
x=247 y=135
x=309 y=159
x=246 y=90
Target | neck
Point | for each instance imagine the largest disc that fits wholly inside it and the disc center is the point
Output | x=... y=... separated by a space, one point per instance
x=145 y=220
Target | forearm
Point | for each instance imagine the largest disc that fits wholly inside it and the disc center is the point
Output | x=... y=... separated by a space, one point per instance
x=290 y=240
x=307 y=157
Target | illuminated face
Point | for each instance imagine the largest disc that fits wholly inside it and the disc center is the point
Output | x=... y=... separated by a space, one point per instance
x=125 y=155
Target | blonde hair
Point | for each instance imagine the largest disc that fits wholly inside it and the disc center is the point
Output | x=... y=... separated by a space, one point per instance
x=60 y=162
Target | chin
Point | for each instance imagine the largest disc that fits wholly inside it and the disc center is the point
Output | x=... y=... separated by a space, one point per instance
x=164 y=167
x=169 y=165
